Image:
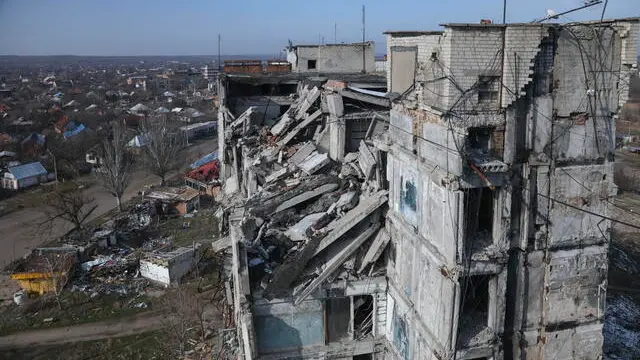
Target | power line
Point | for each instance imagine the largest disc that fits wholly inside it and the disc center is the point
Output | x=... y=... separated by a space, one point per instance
x=584 y=210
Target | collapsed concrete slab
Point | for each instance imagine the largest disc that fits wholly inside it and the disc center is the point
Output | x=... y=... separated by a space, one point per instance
x=375 y=250
x=296 y=200
x=340 y=227
x=333 y=263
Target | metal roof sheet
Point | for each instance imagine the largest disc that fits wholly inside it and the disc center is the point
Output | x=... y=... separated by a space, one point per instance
x=27 y=170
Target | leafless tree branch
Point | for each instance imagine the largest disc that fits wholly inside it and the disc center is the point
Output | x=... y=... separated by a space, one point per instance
x=116 y=163
x=163 y=143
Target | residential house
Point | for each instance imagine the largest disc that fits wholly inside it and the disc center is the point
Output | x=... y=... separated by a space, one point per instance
x=24 y=176
x=176 y=200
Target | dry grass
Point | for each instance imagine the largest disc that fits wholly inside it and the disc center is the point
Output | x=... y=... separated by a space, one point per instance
x=148 y=345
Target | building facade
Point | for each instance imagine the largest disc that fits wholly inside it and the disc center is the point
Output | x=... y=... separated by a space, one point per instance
x=481 y=181
x=500 y=153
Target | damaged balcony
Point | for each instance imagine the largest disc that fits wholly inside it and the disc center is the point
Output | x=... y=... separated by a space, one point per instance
x=475 y=329
x=482 y=252
x=485 y=148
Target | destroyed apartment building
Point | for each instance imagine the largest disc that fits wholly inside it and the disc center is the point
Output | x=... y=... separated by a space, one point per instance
x=461 y=213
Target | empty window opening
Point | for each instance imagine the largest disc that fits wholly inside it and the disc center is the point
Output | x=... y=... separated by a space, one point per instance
x=362 y=316
x=488 y=89
x=474 y=310
x=363 y=357
x=338 y=314
x=311 y=64
x=479 y=139
x=479 y=214
x=486 y=141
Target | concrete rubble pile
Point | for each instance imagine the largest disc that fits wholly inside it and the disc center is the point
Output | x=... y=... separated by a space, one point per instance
x=301 y=202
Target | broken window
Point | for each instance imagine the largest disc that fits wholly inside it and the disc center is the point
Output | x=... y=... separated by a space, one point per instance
x=338 y=318
x=362 y=316
x=400 y=333
x=486 y=141
x=474 y=311
x=479 y=139
x=488 y=89
x=349 y=315
x=311 y=64
x=408 y=195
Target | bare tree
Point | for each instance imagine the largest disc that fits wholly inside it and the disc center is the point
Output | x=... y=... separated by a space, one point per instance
x=71 y=205
x=162 y=145
x=58 y=266
x=181 y=316
x=116 y=163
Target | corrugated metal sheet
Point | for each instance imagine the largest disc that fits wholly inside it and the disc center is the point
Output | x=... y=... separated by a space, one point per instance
x=80 y=128
x=204 y=160
x=27 y=170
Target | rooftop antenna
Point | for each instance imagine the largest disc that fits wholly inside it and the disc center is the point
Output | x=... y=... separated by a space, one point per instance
x=552 y=14
x=219 y=62
x=364 y=46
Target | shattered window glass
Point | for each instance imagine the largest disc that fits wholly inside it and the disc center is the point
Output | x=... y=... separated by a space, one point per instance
x=408 y=196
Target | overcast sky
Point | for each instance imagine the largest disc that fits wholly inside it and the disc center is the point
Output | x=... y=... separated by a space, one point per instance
x=191 y=27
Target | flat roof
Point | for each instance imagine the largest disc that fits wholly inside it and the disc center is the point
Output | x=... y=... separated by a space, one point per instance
x=293 y=78
x=366 y=43
x=412 y=32
x=535 y=24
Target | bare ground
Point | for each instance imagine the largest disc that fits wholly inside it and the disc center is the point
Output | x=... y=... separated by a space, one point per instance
x=143 y=322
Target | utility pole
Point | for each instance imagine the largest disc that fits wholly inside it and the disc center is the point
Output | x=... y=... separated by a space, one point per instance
x=504 y=12
x=335 y=32
x=364 y=46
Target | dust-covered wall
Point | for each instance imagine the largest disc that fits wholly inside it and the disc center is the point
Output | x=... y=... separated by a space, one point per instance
x=333 y=58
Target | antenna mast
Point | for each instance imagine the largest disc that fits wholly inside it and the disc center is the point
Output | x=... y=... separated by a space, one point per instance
x=504 y=12
x=364 y=46
x=219 y=62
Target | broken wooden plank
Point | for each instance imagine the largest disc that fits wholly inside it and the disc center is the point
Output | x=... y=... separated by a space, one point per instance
x=375 y=250
x=299 y=199
x=334 y=263
x=340 y=227
x=306 y=122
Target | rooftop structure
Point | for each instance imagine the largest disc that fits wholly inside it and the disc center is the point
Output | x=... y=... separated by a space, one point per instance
x=332 y=58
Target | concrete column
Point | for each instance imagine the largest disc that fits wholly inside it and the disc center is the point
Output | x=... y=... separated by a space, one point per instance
x=337 y=126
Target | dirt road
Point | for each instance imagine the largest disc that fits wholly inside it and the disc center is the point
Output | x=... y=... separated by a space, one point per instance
x=140 y=323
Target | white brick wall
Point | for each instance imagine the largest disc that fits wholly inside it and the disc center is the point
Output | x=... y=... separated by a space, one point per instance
x=474 y=52
x=522 y=44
